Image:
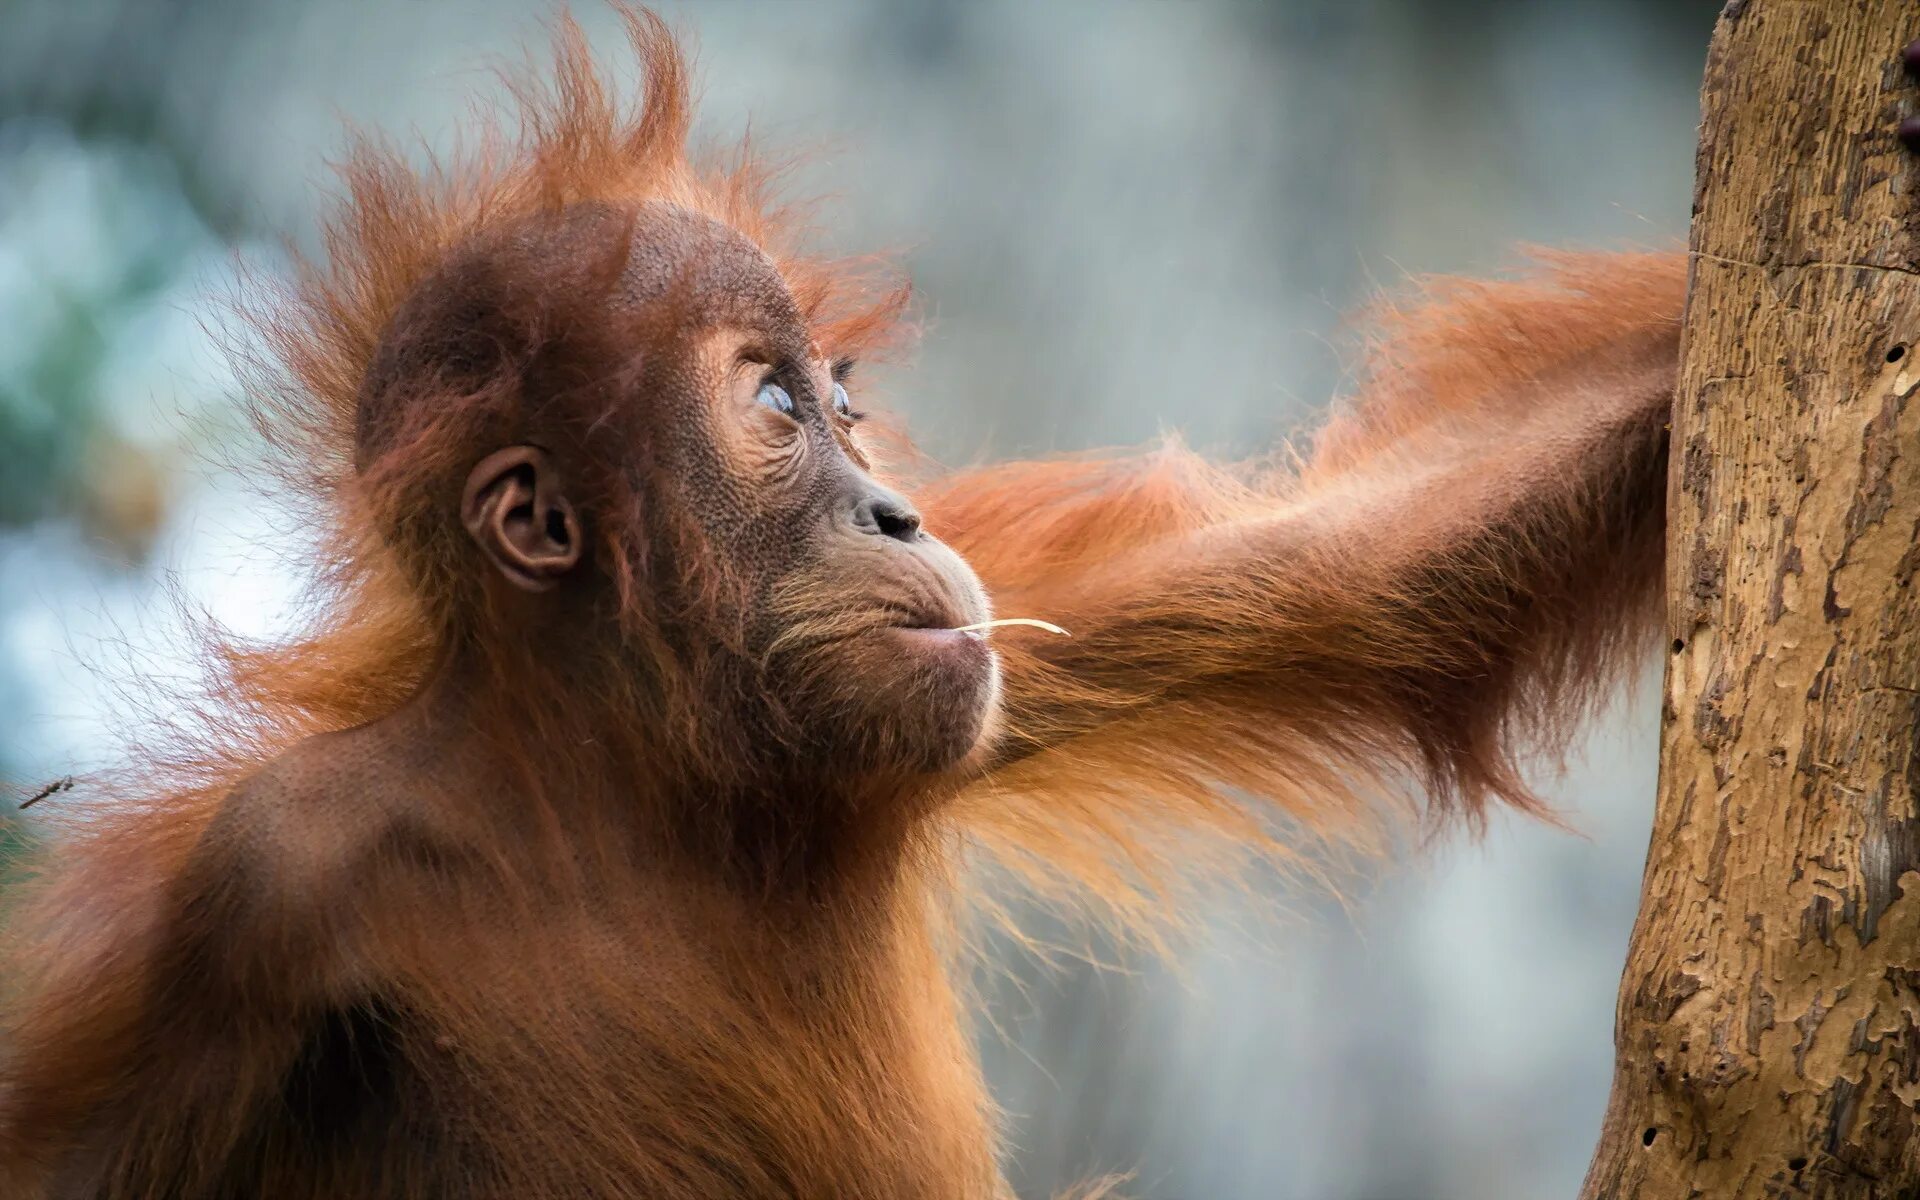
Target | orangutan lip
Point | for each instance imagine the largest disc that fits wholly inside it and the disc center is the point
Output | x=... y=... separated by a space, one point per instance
x=932 y=627
x=938 y=630
x=922 y=619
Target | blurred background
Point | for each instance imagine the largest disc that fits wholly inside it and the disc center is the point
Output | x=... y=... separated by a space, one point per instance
x=1122 y=218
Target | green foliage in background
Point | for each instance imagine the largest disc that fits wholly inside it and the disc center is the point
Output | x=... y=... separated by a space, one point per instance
x=97 y=240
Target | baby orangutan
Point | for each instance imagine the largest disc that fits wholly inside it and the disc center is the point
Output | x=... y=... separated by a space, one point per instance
x=597 y=838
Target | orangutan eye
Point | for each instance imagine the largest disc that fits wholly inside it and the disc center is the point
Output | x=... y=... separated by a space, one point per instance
x=775 y=397
x=842 y=404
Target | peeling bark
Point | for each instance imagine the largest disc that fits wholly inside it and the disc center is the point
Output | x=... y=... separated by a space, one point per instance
x=1766 y=1035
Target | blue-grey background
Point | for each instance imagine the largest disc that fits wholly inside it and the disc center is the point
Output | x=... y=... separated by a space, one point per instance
x=1122 y=218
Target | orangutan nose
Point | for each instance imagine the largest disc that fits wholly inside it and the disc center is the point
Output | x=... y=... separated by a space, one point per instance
x=887 y=514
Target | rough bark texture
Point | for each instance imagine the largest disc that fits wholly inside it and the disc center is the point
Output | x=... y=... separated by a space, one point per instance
x=1767 y=1023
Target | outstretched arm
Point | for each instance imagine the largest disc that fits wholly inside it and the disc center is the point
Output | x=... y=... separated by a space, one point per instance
x=1462 y=557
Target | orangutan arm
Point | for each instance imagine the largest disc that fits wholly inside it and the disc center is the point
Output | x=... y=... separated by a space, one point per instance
x=1463 y=557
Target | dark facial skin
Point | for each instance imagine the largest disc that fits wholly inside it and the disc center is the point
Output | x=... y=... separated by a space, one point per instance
x=828 y=608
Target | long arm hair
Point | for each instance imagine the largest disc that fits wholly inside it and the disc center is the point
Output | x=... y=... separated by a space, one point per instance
x=1450 y=575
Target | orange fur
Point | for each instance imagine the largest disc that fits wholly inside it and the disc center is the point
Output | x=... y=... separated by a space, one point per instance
x=1262 y=656
x=1466 y=556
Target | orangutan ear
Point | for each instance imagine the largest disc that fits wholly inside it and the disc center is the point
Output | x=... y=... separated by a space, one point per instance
x=515 y=510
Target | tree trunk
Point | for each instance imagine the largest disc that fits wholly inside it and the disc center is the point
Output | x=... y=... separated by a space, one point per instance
x=1766 y=1035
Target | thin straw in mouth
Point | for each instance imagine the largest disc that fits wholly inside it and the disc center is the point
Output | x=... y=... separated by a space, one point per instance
x=981 y=626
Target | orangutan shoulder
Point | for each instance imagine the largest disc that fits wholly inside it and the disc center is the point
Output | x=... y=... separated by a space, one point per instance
x=313 y=829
